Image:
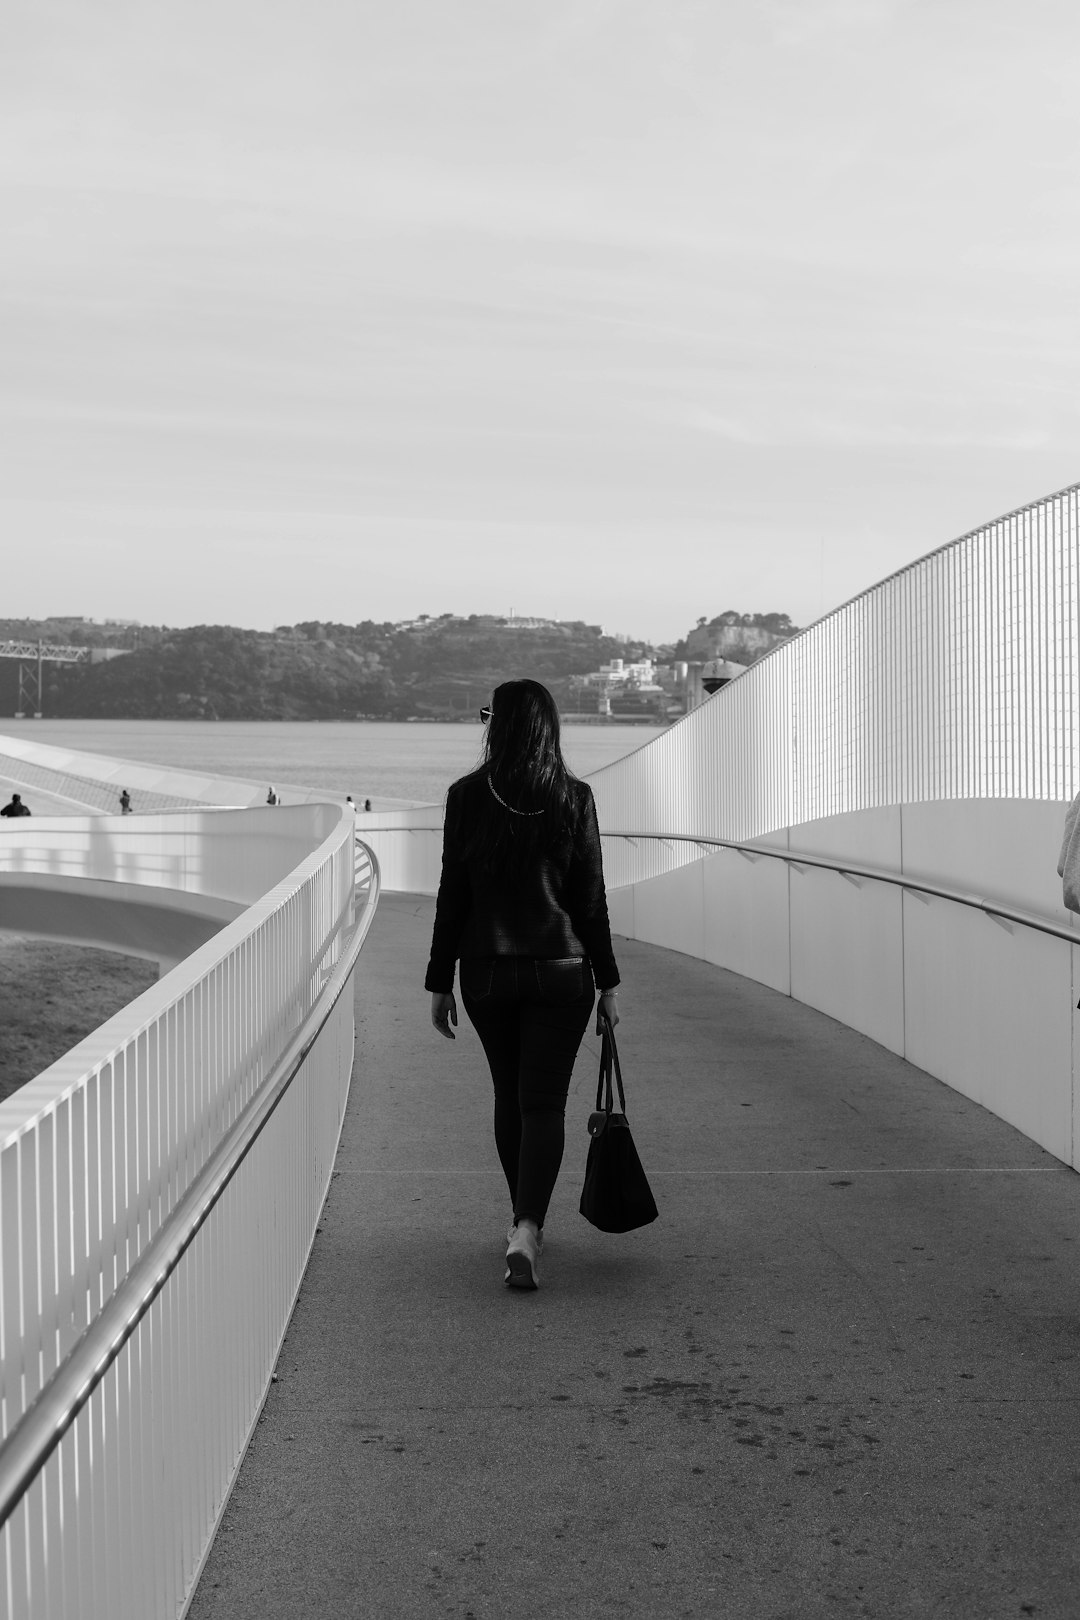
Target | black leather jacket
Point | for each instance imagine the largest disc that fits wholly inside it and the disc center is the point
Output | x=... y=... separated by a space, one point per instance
x=557 y=909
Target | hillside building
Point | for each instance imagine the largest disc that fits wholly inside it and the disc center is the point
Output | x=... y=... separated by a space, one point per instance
x=632 y=688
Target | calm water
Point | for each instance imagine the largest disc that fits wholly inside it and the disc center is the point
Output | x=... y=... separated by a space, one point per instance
x=383 y=761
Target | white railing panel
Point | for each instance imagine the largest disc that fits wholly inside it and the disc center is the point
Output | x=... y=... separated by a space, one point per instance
x=95 y=1155
x=235 y=855
x=976 y=985
x=988 y=1009
x=956 y=678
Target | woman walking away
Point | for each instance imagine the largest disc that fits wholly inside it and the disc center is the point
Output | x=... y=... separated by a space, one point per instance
x=522 y=905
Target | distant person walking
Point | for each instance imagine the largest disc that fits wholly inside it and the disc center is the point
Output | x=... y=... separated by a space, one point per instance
x=271 y=797
x=125 y=803
x=367 y=804
x=522 y=906
x=15 y=807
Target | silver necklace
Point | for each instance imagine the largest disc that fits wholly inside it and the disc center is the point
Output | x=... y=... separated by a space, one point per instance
x=510 y=807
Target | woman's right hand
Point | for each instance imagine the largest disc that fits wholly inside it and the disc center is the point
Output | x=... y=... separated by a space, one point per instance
x=607 y=1007
x=444 y=1013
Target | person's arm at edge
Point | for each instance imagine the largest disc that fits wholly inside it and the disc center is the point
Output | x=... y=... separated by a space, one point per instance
x=451 y=910
x=1070 y=827
x=1069 y=859
x=587 y=898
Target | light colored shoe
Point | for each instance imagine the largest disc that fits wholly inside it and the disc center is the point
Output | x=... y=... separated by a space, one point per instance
x=524 y=1248
x=512 y=1228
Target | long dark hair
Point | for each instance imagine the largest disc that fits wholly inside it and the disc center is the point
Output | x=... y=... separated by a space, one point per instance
x=523 y=800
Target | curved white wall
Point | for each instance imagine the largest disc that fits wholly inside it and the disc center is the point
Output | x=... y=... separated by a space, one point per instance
x=153 y=886
x=408 y=844
x=986 y=1006
x=954 y=679
x=930 y=727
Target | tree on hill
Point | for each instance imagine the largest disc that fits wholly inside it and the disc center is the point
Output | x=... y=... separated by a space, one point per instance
x=742 y=637
x=217 y=672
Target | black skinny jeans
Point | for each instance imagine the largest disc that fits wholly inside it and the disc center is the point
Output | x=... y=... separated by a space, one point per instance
x=530 y=1014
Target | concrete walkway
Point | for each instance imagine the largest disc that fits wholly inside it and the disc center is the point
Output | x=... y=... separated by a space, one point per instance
x=839 y=1376
x=40 y=802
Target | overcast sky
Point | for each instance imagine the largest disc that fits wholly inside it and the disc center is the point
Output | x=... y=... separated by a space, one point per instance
x=613 y=310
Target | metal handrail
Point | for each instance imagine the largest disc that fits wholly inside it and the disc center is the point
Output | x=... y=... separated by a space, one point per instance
x=1025 y=919
x=436 y=826
x=48 y=1418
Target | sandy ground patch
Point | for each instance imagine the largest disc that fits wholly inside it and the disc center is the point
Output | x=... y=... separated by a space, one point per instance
x=51 y=996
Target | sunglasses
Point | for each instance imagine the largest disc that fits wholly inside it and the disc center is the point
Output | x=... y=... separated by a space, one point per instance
x=485 y=715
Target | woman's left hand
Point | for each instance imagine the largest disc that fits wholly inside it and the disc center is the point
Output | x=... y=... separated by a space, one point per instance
x=444 y=1012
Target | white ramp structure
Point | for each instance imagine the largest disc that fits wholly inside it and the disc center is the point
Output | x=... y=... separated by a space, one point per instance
x=161 y=1184
x=869 y=820
x=900 y=772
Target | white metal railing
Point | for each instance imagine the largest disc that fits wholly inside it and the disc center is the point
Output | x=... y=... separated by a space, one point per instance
x=956 y=678
x=156 y=1212
x=872 y=874
x=922 y=740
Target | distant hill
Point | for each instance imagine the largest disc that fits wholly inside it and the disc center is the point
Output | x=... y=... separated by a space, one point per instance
x=433 y=668
x=429 y=668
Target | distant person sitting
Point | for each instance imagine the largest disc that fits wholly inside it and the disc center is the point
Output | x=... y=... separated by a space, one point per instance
x=16 y=807
x=271 y=797
x=125 y=803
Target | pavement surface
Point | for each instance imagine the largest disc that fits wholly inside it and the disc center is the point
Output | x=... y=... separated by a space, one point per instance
x=40 y=802
x=839 y=1376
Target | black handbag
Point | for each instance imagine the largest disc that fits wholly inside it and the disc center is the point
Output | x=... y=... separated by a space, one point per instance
x=616 y=1196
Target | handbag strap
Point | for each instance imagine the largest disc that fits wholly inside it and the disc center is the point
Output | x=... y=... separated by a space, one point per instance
x=609 y=1061
x=604 y=1102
